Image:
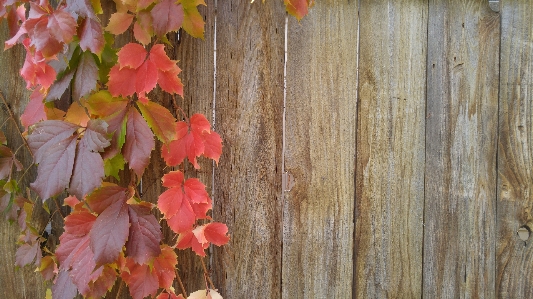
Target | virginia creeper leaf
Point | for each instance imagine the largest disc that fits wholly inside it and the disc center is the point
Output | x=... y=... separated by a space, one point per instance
x=189 y=240
x=103 y=283
x=81 y=8
x=91 y=36
x=59 y=87
x=193 y=22
x=28 y=253
x=76 y=114
x=89 y=165
x=86 y=76
x=110 y=232
x=105 y=196
x=132 y=55
x=204 y=294
x=145 y=234
x=47 y=134
x=103 y=104
x=141 y=280
x=191 y=142
x=298 y=8
x=48 y=267
x=167 y=16
x=62 y=26
x=139 y=142
x=142 y=29
x=113 y=165
x=63 y=287
x=54 y=172
x=164 y=267
x=162 y=123
x=119 y=22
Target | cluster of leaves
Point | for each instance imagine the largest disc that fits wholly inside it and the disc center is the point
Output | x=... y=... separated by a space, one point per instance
x=109 y=128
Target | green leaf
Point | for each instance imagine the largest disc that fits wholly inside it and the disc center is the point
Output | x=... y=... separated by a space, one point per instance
x=114 y=165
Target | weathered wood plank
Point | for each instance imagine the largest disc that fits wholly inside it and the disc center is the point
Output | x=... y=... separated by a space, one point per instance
x=461 y=135
x=320 y=152
x=515 y=152
x=249 y=103
x=22 y=283
x=390 y=149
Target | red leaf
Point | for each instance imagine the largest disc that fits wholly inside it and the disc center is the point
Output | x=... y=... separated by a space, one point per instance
x=169 y=81
x=110 y=232
x=188 y=240
x=191 y=142
x=170 y=295
x=298 y=8
x=159 y=57
x=104 y=197
x=91 y=36
x=164 y=267
x=119 y=22
x=139 y=142
x=163 y=124
x=167 y=16
x=34 y=111
x=146 y=77
x=145 y=234
x=103 y=283
x=122 y=81
x=86 y=76
x=54 y=172
x=140 y=279
x=195 y=190
x=95 y=136
x=63 y=287
x=35 y=71
x=177 y=203
x=215 y=233
x=74 y=254
x=142 y=29
x=132 y=55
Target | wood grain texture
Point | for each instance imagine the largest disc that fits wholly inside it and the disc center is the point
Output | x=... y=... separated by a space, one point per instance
x=249 y=103
x=22 y=283
x=320 y=152
x=515 y=152
x=390 y=149
x=461 y=135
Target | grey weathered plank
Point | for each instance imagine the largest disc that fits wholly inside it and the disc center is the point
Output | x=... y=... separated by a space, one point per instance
x=515 y=152
x=320 y=152
x=390 y=149
x=249 y=102
x=461 y=135
x=23 y=283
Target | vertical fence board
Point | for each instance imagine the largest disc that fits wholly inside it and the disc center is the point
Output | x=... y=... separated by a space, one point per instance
x=461 y=134
x=320 y=148
x=22 y=283
x=515 y=152
x=390 y=149
x=249 y=106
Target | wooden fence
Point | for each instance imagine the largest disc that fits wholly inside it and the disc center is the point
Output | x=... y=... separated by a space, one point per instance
x=376 y=149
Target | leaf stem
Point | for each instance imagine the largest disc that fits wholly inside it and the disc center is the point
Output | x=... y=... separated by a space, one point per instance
x=178 y=108
x=181 y=284
x=206 y=273
x=12 y=116
x=59 y=208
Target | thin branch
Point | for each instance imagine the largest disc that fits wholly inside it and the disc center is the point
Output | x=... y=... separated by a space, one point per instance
x=58 y=207
x=181 y=284
x=206 y=274
x=12 y=116
x=119 y=288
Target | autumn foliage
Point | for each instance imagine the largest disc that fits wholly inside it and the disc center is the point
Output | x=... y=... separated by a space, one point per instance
x=110 y=128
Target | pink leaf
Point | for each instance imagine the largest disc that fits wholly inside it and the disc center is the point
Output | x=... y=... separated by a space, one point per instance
x=91 y=36
x=144 y=236
x=139 y=142
x=167 y=16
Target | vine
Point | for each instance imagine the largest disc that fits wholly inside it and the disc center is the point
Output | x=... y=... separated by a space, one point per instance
x=109 y=128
